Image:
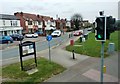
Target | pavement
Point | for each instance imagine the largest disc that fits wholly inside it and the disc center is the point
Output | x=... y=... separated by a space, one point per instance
x=83 y=68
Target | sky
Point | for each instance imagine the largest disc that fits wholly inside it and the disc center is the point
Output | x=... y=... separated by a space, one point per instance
x=89 y=9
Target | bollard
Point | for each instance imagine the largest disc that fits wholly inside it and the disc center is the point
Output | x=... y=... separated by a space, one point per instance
x=104 y=69
x=71 y=42
x=73 y=54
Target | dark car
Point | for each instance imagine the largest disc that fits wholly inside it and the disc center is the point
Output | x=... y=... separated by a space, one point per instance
x=39 y=33
x=6 y=39
x=17 y=37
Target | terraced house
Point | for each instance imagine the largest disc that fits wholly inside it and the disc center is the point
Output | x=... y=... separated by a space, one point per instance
x=9 y=24
x=32 y=22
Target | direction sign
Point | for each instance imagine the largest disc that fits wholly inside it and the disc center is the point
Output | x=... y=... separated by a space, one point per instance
x=49 y=38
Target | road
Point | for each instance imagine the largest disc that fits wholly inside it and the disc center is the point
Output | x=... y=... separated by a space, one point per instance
x=14 y=52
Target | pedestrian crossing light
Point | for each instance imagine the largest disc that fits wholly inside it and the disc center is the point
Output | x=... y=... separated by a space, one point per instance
x=100 y=30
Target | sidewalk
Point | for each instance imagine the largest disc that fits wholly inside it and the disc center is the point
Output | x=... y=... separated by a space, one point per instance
x=63 y=57
x=83 y=68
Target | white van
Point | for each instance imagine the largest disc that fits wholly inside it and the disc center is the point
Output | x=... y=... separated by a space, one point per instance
x=56 y=33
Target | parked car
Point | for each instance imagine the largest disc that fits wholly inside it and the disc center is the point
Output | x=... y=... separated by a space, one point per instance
x=6 y=39
x=56 y=33
x=77 y=33
x=17 y=37
x=35 y=35
x=39 y=32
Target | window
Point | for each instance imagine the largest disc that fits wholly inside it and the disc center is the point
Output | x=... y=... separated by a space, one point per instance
x=49 y=23
x=29 y=22
x=39 y=23
x=4 y=22
x=34 y=22
x=11 y=23
x=16 y=23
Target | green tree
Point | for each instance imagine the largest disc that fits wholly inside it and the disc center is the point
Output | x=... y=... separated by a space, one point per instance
x=77 y=20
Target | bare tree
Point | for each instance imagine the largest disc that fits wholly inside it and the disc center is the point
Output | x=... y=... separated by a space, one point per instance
x=77 y=20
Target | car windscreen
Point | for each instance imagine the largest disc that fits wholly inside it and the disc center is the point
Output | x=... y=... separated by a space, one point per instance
x=56 y=32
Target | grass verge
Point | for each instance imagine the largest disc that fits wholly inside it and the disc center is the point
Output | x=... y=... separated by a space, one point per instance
x=46 y=69
x=92 y=47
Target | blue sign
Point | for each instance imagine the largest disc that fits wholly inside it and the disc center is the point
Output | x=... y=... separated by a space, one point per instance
x=49 y=37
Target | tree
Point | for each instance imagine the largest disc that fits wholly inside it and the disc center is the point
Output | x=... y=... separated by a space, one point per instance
x=77 y=20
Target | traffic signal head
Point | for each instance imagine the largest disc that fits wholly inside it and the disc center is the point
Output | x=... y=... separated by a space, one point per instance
x=100 y=29
x=110 y=26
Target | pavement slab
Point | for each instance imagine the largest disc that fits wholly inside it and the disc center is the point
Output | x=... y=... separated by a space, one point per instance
x=95 y=75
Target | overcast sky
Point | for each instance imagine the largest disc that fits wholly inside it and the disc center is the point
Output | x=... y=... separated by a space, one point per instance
x=89 y=9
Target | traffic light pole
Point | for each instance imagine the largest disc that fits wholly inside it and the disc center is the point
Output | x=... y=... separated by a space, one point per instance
x=102 y=61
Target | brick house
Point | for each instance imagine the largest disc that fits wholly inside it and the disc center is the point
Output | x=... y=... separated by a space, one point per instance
x=30 y=22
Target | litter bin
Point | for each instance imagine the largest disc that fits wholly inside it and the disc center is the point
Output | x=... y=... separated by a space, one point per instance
x=72 y=42
x=80 y=39
x=86 y=37
x=111 y=48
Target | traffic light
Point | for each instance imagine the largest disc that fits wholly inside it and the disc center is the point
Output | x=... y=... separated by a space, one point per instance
x=110 y=26
x=100 y=30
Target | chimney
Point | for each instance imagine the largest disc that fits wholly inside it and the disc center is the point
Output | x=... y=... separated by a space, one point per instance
x=15 y=13
x=38 y=16
x=21 y=13
x=65 y=19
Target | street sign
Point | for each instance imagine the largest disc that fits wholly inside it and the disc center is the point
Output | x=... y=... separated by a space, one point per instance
x=49 y=38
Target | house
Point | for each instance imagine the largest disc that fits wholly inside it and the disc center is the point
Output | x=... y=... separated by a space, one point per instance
x=49 y=23
x=68 y=24
x=9 y=24
x=58 y=23
x=86 y=23
x=30 y=22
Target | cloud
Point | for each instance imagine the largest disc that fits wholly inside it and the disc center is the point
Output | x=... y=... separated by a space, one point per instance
x=64 y=8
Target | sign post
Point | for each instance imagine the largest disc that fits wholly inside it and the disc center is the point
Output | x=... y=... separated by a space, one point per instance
x=27 y=49
x=49 y=38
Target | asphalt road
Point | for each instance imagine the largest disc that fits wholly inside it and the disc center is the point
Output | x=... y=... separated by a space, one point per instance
x=14 y=52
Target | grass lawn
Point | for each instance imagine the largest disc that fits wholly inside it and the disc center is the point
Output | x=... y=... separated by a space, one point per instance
x=45 y=70
x=92 y=47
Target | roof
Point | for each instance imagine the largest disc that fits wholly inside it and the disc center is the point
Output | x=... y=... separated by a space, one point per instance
x=31 y=16
x=46 y=18
x=34 y=17
x=8 y=17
